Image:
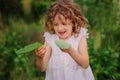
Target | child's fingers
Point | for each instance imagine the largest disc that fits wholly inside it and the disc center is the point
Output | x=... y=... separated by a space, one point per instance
x=42 y=55
x=40 y=52
x=40 y=47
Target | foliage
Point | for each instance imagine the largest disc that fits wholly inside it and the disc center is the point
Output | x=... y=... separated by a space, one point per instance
x=104 y=53
x=29 y=48
x=16 y=66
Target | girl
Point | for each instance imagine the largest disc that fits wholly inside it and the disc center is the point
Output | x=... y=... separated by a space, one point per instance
x=65 y=22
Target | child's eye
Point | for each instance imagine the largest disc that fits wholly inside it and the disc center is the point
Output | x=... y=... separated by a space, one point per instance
x=55 y=24
x=64 y=23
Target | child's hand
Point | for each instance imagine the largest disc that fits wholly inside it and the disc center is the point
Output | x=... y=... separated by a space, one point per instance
x=67 y=50
x=40 y=52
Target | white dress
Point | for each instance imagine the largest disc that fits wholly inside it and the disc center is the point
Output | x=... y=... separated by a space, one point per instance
x=61 y=66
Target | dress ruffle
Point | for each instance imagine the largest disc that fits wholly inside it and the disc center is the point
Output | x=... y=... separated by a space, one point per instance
x=47 y=37
x=84 y=33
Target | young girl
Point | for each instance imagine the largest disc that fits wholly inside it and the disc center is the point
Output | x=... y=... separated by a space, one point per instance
x=65 y=22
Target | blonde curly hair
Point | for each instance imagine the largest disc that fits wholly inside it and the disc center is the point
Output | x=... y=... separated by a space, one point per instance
x=69 y=10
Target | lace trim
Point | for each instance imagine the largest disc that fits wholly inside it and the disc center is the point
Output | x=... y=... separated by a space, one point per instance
x=47 y=37
x=84 y=33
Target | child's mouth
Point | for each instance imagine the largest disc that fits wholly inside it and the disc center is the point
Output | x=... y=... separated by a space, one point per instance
x=62 y=33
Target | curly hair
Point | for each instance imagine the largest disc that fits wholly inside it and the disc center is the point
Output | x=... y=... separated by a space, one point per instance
x=69 y=10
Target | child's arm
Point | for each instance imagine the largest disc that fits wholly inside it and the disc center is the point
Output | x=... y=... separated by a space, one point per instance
x=81 y=57
x=43 y=54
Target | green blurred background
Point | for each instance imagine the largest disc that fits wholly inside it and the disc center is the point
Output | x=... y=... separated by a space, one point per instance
x=22 y=23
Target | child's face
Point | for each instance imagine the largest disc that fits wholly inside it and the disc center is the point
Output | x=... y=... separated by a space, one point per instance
x=62 y=27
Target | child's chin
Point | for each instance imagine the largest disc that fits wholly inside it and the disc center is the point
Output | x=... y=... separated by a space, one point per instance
x=62 y=37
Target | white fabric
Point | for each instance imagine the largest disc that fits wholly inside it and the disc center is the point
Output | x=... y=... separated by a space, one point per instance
x=61 y=66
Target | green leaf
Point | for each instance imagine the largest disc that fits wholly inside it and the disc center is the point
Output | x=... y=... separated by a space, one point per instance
x=29 y=48
x=62 y=44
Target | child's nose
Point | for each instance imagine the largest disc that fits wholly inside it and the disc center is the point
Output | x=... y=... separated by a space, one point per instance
x=60 y=27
